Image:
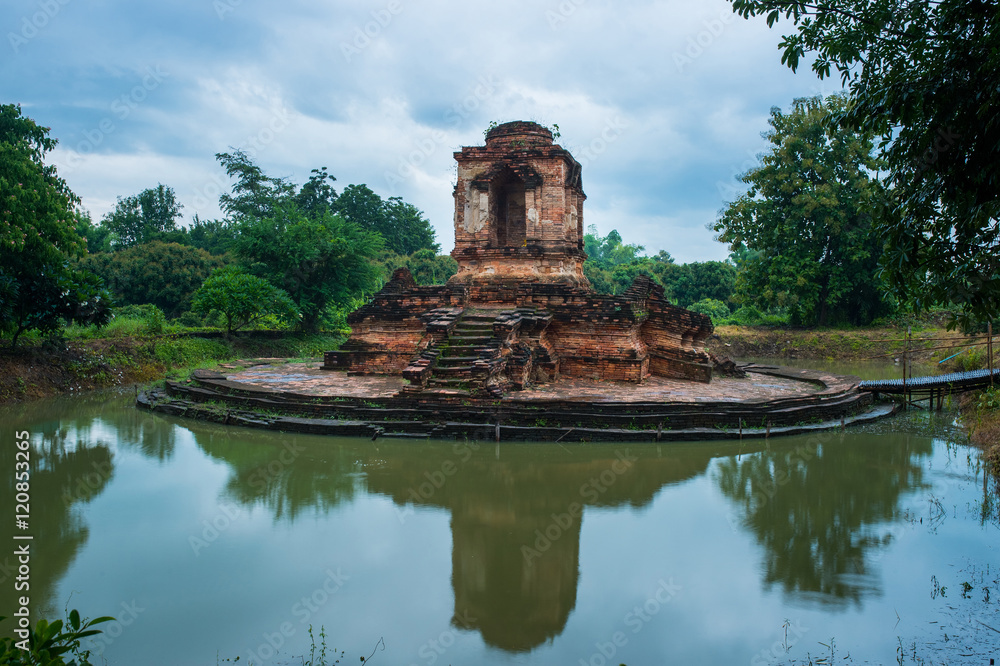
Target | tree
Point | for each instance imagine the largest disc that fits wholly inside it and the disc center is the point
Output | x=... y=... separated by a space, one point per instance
x=163 y=274
x=214 y=236
x=808 y=213
x=241 y=298
x=425 y=266
x=700 y=280
x=924 y=75
x=317 y=196
x=254 y=194
x=610 y=251
x=139 y=219
x=38 y=237
x=407 y=231
x=96 y=237
x=402 y=225
x=319 y=261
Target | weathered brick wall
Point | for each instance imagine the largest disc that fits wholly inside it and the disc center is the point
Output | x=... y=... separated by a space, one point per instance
x=519 y=155
x=391 y=329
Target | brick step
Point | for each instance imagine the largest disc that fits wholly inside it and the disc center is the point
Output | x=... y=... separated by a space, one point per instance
x=471 y=334
x=478 y=351
x=464 y=382
x=447 y=361
x=466 y=370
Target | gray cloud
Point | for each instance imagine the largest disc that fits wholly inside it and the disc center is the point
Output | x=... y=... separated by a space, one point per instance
x=383 y=92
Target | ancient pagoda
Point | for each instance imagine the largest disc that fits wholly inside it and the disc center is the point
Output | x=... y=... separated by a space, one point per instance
x=520 y=310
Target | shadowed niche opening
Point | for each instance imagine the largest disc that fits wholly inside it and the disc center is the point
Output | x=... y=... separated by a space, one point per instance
x=507 y=210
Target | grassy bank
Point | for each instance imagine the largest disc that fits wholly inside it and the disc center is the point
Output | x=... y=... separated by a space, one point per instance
x=980 y=410
x=56 y=366
x=834 y=344
x=981 y=417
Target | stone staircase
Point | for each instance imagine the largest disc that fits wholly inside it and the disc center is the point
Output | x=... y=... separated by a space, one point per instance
x=466 y=359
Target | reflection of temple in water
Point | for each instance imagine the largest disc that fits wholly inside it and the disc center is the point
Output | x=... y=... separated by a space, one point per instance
x=818 y=512
x=516 y=525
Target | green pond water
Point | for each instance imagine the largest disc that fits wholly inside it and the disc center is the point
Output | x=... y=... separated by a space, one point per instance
x=210 y=543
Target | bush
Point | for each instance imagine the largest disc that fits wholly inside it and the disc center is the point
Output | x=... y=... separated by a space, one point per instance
x=243 y=299
x=154 y=321
x=748 y=315
x=191 y=351
x=191 y=319
x=712 y=307
x=972 y=359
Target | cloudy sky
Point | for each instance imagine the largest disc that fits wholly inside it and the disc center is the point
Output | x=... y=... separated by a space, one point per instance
x=662 y=102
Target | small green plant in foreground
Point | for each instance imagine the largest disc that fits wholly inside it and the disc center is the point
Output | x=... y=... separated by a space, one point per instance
x=989 y=399
x=48 y=644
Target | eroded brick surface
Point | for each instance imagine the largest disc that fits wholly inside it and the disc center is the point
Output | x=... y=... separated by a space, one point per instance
x=308 y=379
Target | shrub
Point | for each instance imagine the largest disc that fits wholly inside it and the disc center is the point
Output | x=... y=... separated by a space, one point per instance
x=712 y=307
x=191 y=351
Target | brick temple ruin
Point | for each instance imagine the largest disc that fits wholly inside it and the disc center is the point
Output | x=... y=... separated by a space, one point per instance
x=520 y=310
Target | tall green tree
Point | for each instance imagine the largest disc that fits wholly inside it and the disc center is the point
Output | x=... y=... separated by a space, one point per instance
x=319 y=261
x=408 y=230
x=924 y=75
x=296 y=242
x=254 y=194
x=317 y=196
x=809 y=215
x=38 y=237
x=700 y=280
x=214 y=236
x=402 y=225
x=96 y=237
x=141 y=218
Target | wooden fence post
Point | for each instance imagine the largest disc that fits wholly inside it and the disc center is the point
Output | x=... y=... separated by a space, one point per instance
x=906 y=354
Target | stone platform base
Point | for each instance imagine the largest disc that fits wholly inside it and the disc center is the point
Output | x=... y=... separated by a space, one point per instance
x=300 y=397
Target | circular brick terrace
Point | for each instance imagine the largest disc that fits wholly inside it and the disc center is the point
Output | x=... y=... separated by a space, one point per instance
x=308 y=379
x=301 y=397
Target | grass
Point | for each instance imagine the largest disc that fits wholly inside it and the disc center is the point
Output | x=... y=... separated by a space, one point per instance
x=131 y=351
x=981 y=417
